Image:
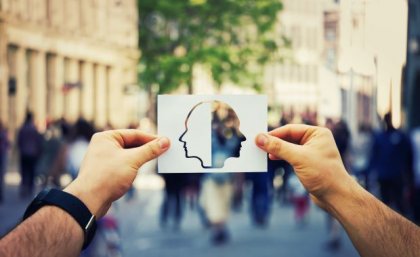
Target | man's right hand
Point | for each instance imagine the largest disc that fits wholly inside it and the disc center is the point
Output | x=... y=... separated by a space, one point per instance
x=315 y=158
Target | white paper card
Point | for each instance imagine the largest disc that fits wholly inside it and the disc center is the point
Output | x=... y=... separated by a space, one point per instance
x=212 y=133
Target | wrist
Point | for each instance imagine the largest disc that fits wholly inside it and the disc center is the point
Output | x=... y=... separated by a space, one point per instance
x=69 y=204
x=92 y=199
x=347 y=198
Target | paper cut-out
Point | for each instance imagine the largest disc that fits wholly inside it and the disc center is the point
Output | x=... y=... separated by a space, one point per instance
x=226 y=138
x=212 y=133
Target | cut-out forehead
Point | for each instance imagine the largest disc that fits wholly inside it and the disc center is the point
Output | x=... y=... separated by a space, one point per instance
x=221 y=109
x=198 y=112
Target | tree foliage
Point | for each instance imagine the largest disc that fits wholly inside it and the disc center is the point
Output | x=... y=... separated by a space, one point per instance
x=233 y=39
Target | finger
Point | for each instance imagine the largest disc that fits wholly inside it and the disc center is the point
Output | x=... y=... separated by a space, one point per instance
x=273 y=158
x=150 y=150
x=129 y=138
x=294 y=133
x=278 y=148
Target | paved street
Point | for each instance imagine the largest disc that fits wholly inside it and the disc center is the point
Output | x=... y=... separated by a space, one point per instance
x=142 y=236
x=11 y=210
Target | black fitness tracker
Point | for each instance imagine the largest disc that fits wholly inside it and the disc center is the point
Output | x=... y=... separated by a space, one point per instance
x=70 y=204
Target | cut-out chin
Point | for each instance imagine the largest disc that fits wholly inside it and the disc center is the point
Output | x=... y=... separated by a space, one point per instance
x=209 y=167
x=215 y=166
x=237 y=154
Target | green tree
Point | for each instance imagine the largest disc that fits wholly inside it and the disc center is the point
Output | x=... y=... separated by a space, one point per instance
x=233 y=39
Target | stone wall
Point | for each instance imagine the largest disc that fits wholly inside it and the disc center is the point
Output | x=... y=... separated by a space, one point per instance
x=69 y=59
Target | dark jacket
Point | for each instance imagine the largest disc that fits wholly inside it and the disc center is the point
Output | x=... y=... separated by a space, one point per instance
x=29 y=141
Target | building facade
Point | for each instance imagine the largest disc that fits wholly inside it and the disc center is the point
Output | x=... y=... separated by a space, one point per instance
x=67 y=59
x=372 y=46
x=346 y=59
x=356 y=65
x=295 y=82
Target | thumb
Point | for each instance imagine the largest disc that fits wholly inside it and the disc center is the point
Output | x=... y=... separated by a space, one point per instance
x=149 y=150
x=278 y=148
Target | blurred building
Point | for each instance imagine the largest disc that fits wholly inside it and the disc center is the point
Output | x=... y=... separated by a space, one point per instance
x=356 y=65
x=294 y=84
x=371 y=58
x=330 y=95
x=346 y=59
x=412 y=78
x=68 y=59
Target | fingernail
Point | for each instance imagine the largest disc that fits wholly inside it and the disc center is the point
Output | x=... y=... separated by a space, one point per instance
x=262 y=139
x=163 y=142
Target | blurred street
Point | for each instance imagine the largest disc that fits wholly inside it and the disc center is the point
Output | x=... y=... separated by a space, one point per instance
x=11 y=210
x=142 y=236
x=70 y=69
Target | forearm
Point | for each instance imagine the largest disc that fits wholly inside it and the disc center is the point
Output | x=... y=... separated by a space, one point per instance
x=375 y=229
x=48 y=232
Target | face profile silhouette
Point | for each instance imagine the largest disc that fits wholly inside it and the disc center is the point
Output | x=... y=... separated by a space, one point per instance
x=212 y=134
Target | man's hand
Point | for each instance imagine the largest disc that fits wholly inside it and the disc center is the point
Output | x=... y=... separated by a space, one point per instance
x=107 y=172
x=374 y=229
x=314 y=156
x=111 y=164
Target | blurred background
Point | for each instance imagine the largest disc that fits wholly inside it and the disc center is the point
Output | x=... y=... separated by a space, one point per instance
x=71 y=68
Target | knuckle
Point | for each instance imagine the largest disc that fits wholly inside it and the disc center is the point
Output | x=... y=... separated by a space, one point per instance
x=325 y=131
x=152 y=150
x=275 y=147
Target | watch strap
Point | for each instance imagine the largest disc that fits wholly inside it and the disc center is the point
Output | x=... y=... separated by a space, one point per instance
x=70 y=204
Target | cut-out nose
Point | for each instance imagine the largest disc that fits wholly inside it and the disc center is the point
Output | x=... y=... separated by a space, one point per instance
x=242 y=137
x=180 y=138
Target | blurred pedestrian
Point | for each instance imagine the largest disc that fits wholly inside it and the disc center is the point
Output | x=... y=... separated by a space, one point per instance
x=65 y=128
x=360 y=154
x=173 y=199
x=72 y=153
x=341 y=134
x=261 y=196
x=284 y=169
x=300 y=199
x=391 y=160
x=216 y=201
x=4 y=146
x=30 y=143
x=238 y=181
x=416 y=167
x=80 y=136
x=47 y=166
x=132 y=192
x=192 y=189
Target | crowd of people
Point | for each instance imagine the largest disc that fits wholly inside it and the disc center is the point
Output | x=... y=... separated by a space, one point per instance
x=49 y=155
x=45 y=158
x=385 y=161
